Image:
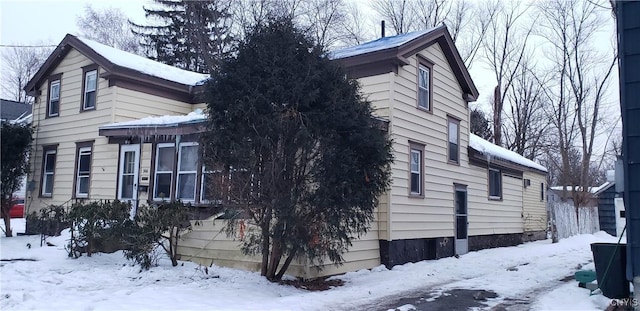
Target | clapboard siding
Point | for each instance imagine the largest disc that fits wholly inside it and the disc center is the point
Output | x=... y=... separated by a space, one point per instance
x=534 y=206
x=433 y=215
x=133 y=105
x=207 y=243
x=376 y=89
x=69 y=127
x=113 y=104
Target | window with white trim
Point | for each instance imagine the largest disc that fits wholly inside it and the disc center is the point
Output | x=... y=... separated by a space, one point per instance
x=424 y=86
x=54 y=99
x=83 y=173
x=415 y=170
x=187 y=171
x=163 y=171
x=90 y=87
x=48 y=171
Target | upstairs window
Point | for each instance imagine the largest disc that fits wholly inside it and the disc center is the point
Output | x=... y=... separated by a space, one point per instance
x=163 y=171
x=454 y=140
x=187 y=171
x=83 y=171
x=416 y=170
x=48 y=171
x=53 y=96
x=89 y=87
x=495 y=184
x=541 y=192
x=425 y=70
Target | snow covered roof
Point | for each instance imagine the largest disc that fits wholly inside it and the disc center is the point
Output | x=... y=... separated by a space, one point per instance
x=379 y=44
x=193 y=117
x=382 y=55
x=124 y=69
x=488 y=148
x=145 y=65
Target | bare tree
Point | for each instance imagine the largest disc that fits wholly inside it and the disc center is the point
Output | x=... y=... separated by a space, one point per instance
x=467 y=21
x=526 y=125
x=323 y=20
x=505 y=48
x=582 y=76
x=432 y=13
x=468 y=24
x=20 y=63
x=108 y=26
x=356 y=29
x=326 y=21
x=399 y=13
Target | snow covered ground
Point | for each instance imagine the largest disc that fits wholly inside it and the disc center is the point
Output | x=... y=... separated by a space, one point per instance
x=43 y=278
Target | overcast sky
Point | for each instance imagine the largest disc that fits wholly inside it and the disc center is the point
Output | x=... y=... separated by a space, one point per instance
x=28 y=22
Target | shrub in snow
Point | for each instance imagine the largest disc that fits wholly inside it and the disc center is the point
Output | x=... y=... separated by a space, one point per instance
x=154 y=226
x=97 y=226
x=50 y=221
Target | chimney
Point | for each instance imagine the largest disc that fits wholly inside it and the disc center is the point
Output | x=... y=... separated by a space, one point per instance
x=382 y=28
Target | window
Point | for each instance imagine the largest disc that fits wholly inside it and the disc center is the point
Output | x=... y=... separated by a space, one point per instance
x=424 y=84
x=163 y=171
x=541 y=192
x=89 y=88
x=211 y=185
x=454 y=140
x=415 y=170
x=83 y=170
x=53 y=102
x=187 y=171
x=48 y=170
x=495 y=184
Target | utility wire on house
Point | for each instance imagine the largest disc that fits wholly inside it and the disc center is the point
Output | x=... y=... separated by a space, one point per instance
x=27 y=46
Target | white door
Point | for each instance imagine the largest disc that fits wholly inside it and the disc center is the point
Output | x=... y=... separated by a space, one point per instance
x=462 y=224
x=128 y=175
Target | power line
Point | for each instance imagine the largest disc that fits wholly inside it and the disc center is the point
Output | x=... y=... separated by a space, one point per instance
x=26 y=46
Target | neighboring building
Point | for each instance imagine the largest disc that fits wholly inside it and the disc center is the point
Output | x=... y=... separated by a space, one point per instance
x=12 y=110
x=606 y=196
x=115 y=125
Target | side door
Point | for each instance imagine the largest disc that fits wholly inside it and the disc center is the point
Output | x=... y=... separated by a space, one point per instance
x=461 y=220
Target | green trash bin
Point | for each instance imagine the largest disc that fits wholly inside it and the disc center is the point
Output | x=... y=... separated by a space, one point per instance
x=614 y=285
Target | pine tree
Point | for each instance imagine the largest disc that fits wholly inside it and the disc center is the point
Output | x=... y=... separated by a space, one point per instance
x=480 y=124
x=304 y=159
x=193 y=35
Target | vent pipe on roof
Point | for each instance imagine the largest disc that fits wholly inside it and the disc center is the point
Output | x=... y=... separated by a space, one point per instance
x=382 y=29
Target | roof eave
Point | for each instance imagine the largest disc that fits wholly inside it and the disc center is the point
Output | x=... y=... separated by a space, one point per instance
x=111 y=69
x=479 y=157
